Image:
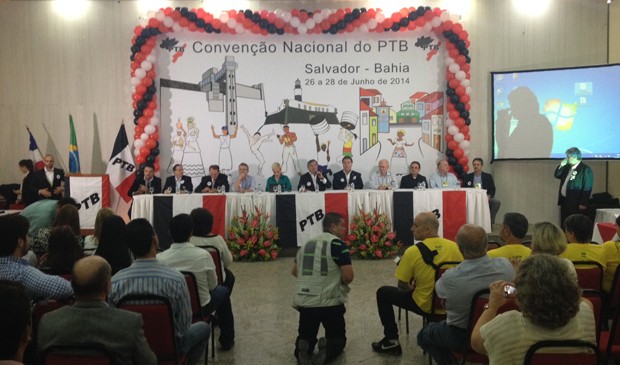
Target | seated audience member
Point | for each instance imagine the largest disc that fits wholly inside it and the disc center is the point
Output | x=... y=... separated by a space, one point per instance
x=413 y=180
x=346 y=177
x=66 y=216
x=62 y=252
x=514 y=228
x=245 y=183
x=15 y=317
x=42 y=213
x=50 y=180
x=321 y=290
x=91 y=320
x=146 y=182
x=147 y=275
x=213 y=182
x=203 y=236
x=578 y=229
x=416 y=279
x=178 y=183
x=28 y=192
x=113 y=245
x=443 y=178
x=612 y=254
x=92 y=241
x=383 y=179
x=184 y=256
x=548 y=238
x=277 y=179
x=314 y=179
x=482 y=180
x=457 y=288
x=13 y=245
x=549 y=309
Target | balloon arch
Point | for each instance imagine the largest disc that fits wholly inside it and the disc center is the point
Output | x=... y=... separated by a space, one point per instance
x=299 y=21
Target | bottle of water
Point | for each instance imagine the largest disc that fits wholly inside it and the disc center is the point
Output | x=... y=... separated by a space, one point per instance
x=278 y=189
x=259 y=189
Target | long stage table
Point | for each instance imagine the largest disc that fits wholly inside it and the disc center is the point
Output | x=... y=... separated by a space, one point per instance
x=298 y=215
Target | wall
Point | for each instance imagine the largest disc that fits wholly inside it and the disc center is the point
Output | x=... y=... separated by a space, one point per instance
x=50 y=67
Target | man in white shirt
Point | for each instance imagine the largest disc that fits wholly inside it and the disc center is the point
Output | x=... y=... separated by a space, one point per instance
x=383 y=180
x=184 y=256
x=50 y=179
x=443 y=179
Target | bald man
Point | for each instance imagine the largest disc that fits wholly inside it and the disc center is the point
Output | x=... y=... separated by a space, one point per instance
x=383 y=180
x=416 y=278
x=91 y=320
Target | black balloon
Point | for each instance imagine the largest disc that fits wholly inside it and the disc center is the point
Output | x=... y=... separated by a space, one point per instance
x=271 y=29
x=184 y=11
x=460 y=106
x=192 y=16
x=452 y=160
x=255 y=18
x=450 y=91
x=280 y=31
x=151 y=159
x=155 y=151
x=404 y=22
x=454 y=99
x=467 y=122
x=141 y=104
x=151 y=89
x=395 y=27
x=458 y=169
x=209 y=28
x=148 y=96
x=333 y=29
x=465 y=114
x=263 y=23
x=413 y=16
x=137 y=113
x=341 y=25
x=200 y=23
x=248 y=13
x=449 y=152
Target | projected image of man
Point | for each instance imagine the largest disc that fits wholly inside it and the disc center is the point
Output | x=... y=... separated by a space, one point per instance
x=533 y=134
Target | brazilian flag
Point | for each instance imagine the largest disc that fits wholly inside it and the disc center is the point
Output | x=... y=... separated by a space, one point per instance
x=74 y=155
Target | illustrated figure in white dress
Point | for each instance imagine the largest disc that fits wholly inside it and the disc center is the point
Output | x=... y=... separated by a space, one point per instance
x=192 y=158
x=178 y=145
x=225 y=156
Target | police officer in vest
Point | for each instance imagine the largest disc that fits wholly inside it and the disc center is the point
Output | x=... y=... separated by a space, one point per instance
x=323 y=270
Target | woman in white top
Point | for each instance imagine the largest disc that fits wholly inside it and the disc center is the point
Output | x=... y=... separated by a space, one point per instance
x=202 y=236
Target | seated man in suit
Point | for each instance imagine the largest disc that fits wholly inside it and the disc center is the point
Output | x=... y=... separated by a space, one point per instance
x=50 y=179
x=178 y=182
x=91 y=320
x=146 y=183
x=314 y=179
x=345 y=177
x=413 y=180
x=213 y=182
x=481 y=180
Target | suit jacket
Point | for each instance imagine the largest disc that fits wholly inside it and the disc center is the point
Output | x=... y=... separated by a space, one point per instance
x=341 y=183
x=579 y=185
x=308 y=184
x=207 y=182
x=30 y=189
x=155 y=184
x=487 y=182
x=42 y=183
x=408 y=182
x=172 y=184
x=119 y=331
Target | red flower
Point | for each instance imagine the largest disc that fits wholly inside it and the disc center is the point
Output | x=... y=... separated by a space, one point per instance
x=270 y=234
x=253 y=239
x=254 y=223
x=369 y=222
x=374 y=238
x=391 y=235
x=352 y=237
x=262 y=252
x=378 y=253
x=246 y=234
x=363 y=247
x=258 y=212
x=243 y=221
x=352 y=251
x=231 y=235
x=240 y=241
x=267 y=243
x=381 y=225
x=274 y=254
x=388 y=244
x=243 y=253
x=354 y=227
x=375 y=228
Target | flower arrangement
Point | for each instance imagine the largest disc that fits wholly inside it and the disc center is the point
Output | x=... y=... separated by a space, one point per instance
x=252 y=238
x=370 y=236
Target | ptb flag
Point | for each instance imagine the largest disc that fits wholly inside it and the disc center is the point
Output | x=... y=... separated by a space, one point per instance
x=121 y=168
x=74 y=155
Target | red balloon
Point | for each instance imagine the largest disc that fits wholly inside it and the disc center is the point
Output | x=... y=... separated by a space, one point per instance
x=140 y=160
x=460 y=90
x=154 y=136
x=134 y=104
x=450 y=106
x=303 y=16
x=139 y=57
x=152 y=42
x=466 y=67
x=467 y=137
x=192 y=27
x=143 y=122
x=454 y=114
x=429 y=15
x=144 y=151
x=466 y=168
x=387 y=23
x=459 y=122
x=135 y=65
x=156 y=165
x=465 y=98
x=457 y=27
x=447 y=25
x=396 y=17
x=454 y=83
x=420 y=22
x=136 y=96
x=458 y=152
x=147 y=81
x=137 y=30
x=453 y=145
x=184 y=22
x=449 y=137
x=463 y=161
x=141 y=89
x=465 y=130
x=150 y=144
x=467 y=107
x=139 y=130
x=152 y=105
x=151 y=73
x=148 y=113
x=217 y=24
x=453 y=52
x=461 y=60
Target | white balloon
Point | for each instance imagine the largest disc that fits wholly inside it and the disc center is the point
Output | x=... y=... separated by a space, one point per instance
x=177 y=28
x=168 y=21
x=232 y=23
x=151 y=58
x=449 y=122
x=136 y=152
x=380 y=17
x=372 y=23
x=154 y=121
x=286 y=16
x=460 y=75
x=468 y=90
x=140 y=73
x=326 y=13
x=465 y=83
x=444 y=16
x=318 y=17
x=160 y=15
x=278 y=12
x=295 y=22
x=149 y=129
x=436 y=22
x=135 y=81
x=464 y=144
x=310 y=23
x=454 y=68
x=240 y=29
x=453 y=130
x=138 y=143
x=466 y=152
x=146 y=65
x=150 y=14
x=144 y=23
x=427 y=27
x=363 y=28
x=224 y=17
x=144 y=136
x=302 y=29
x=449 y=61
x=459 y=137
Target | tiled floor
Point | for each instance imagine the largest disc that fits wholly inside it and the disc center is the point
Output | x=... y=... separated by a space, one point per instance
x=266 y=323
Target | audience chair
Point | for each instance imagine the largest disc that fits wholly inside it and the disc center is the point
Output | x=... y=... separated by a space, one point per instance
x=596 y=299
x=197 y=315
x=613 y=298
x=591 y=355
x=158 y=325
x=492 y=245
x=217 y=260
x=609 y=343
x=63 y=273
x=589 y=275
x=77 y=354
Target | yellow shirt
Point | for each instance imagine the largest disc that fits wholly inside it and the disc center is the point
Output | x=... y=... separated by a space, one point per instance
x=413 y=267
x=511 y=252
x=612 y=254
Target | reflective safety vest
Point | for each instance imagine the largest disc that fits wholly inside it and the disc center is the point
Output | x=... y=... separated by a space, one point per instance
x=319 y=282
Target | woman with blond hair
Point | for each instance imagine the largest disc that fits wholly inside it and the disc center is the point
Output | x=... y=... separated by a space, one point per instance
x=92 y=241
x=548 y=238
x=278 y=179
